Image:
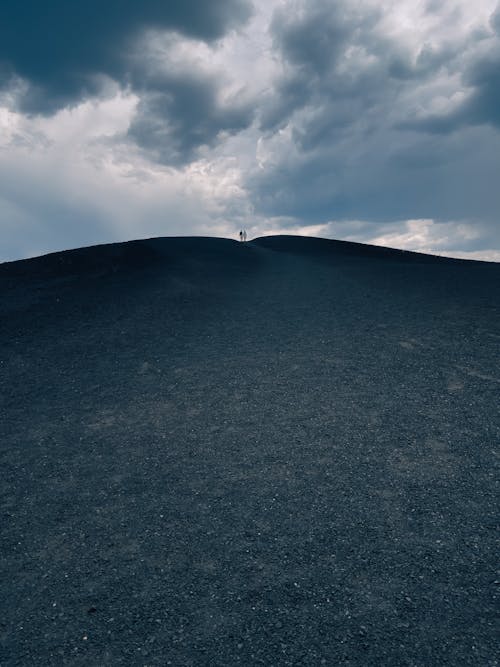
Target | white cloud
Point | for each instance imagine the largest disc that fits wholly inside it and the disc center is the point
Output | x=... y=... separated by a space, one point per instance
x=429 y=236
x=60 y=187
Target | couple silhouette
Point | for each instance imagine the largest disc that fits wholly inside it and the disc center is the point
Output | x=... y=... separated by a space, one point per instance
x=243 y=235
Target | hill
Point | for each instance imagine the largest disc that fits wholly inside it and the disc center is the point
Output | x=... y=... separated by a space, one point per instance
x=278 y=453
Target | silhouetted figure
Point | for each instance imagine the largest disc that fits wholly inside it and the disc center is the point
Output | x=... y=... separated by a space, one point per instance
x=244 y=235
x=241 y=235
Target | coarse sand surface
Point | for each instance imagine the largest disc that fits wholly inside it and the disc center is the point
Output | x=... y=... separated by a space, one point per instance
x=279 y=452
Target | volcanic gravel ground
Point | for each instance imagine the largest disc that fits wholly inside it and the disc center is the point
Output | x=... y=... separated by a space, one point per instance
x=273 y=453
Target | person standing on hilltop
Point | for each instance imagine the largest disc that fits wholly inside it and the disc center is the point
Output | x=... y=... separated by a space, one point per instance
x=241 y=235
x=244 y=235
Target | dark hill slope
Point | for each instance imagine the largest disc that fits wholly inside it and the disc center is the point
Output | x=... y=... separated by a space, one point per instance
x=278 y=453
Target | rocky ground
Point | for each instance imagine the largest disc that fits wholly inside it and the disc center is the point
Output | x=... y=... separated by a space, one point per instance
x=273 y=453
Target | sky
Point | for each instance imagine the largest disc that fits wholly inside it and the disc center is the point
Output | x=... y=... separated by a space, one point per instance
x=367 y=120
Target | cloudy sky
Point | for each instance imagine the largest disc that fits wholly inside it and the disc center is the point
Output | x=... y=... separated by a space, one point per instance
x=367 y=120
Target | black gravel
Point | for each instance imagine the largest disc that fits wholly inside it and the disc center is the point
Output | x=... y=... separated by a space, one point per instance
x=273 y=453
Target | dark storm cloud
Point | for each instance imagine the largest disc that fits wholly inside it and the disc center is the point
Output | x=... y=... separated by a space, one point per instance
x=182 y=113
x=340 y=65
x=481 y=78
x=482 y=105
x=310 y=44
x=320 y=73
x=346 y=98
x=314 y=40
x=59 y=46
x=61 y=51
x=395 y=177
